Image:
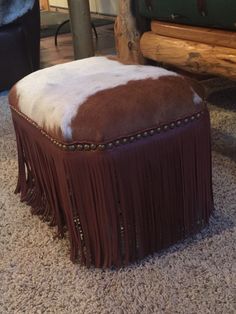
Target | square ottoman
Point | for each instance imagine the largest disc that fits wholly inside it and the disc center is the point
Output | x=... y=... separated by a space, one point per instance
x=117 y=155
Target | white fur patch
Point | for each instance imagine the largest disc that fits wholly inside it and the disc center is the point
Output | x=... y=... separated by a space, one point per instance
x=196 y=98
x=52 y=96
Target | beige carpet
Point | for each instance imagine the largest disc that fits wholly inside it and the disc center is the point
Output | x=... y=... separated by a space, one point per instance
x=196 y=276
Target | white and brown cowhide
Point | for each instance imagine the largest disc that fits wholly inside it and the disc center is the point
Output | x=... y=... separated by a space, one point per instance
x=98 y=99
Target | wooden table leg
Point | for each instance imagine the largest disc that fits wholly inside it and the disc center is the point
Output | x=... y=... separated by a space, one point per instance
x=81 y=28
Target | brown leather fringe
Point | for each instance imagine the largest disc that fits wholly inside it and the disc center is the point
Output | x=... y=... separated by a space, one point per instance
x=121 y=204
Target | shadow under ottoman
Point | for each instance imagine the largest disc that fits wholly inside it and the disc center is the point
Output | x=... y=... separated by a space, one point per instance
x=118 y=155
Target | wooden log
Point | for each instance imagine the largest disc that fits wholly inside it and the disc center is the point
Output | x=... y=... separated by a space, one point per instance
x=81 y=28
x=189 y=55
x=44 y=5
x=127 y=36
x=200 y=34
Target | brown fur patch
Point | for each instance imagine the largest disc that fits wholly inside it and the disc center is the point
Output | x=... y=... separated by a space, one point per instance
x=134 y=107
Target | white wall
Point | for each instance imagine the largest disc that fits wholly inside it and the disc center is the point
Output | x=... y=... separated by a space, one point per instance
x=93 y=7
x=107 y=6
x=98 y=6
x=58 y=3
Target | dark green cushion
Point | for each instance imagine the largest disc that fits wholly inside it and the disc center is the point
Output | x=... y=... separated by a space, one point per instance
x=219 y=13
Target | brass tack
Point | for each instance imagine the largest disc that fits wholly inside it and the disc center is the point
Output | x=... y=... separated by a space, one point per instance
x=172 y=125
x=186 y=120
x=117 y=142
x=110 y=145
x=166 y=127
x=198 y=115
x=158 y=130
x=138 y=136
x=145 y=134
x=178 y=123
x=101 y=147
x=86 y=147
x=124 y=140
x=93 y=146
x=132 y=138
x=151 y=132
x=192 y=118
x=64 y=147
x=72 y=148
x=80 y=147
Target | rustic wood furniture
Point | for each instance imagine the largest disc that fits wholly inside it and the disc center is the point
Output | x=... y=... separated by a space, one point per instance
x=201 y=50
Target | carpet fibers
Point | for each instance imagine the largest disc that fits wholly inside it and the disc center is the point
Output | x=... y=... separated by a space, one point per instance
x=195 y=276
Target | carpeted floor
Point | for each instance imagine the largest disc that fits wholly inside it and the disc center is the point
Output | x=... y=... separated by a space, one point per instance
x=196 y=276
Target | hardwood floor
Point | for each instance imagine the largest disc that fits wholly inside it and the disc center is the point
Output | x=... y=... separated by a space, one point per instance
x=51 y=55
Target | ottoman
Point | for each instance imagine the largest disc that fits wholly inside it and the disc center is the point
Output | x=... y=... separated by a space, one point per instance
x=117 y=155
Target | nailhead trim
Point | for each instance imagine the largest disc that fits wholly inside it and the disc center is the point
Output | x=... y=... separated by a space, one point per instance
x=178 y=123
x=86 y=147
x=93 y=146
x=151 y=132
x=101 y=147
x=166 y=127
x=116 y=143
x=80 y=147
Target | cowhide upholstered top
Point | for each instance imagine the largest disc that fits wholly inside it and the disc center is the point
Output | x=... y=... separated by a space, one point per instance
x=99 y=99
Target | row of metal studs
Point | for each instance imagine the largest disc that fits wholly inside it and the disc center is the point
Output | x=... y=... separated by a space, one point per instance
x=26 y=118
x=118 y=142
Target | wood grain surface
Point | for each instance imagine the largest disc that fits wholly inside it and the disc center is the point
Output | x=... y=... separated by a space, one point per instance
x=199 y=34
x=189 y=55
